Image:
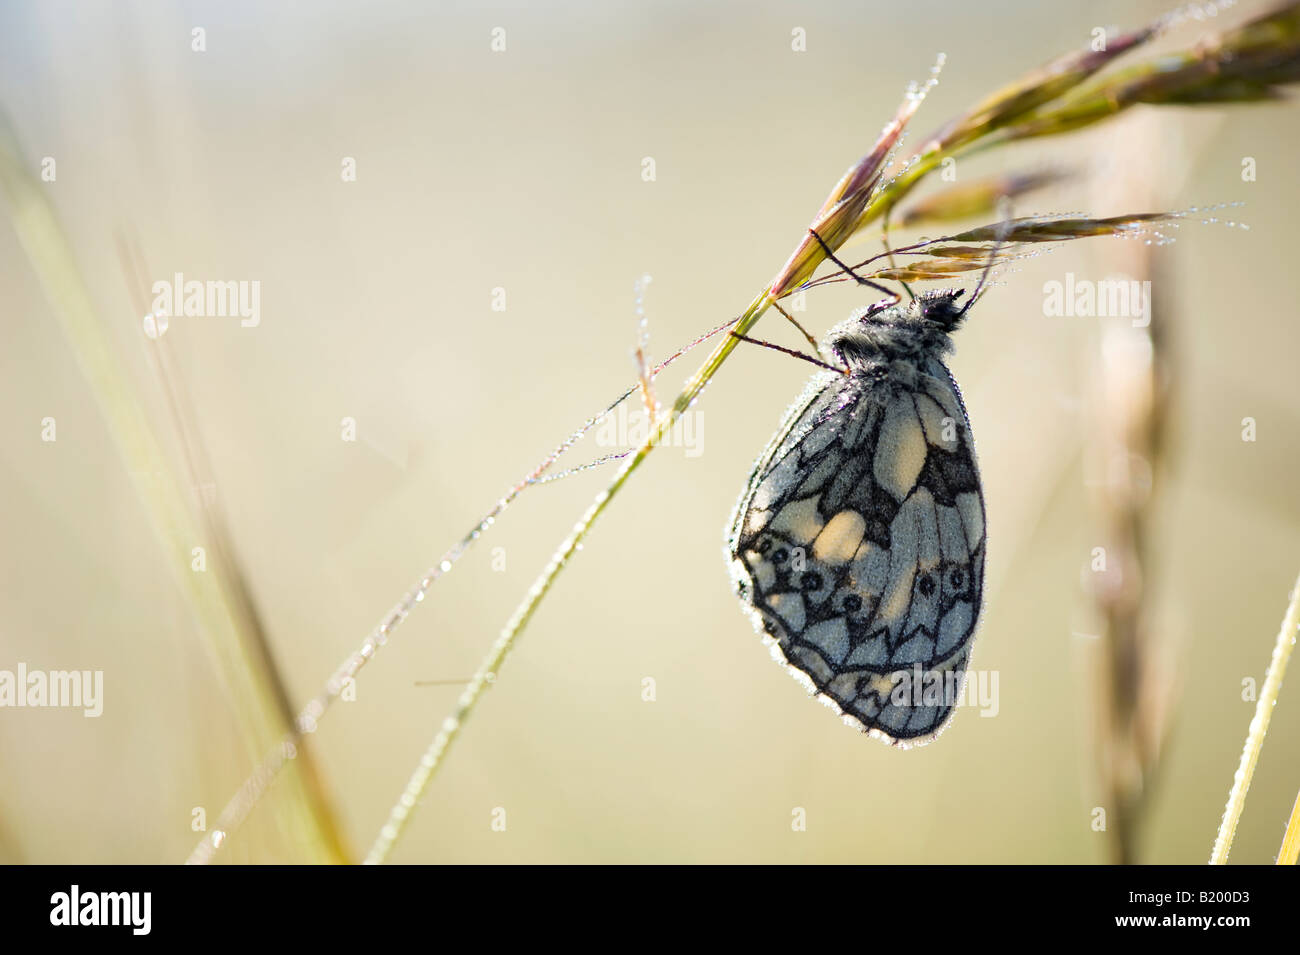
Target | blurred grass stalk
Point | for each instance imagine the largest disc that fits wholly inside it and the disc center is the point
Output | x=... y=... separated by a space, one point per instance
x=219 y=600
x=1135 y=682
x=1135 y=692
x=1282 y=647
x=1244 y=64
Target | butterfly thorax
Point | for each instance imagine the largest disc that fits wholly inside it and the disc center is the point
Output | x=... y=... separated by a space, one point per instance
x=881 y=335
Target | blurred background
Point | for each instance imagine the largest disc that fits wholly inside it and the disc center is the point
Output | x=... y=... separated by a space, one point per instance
x=522 y=170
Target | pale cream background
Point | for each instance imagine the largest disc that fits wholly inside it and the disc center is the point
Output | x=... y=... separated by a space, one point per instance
x=522 y=170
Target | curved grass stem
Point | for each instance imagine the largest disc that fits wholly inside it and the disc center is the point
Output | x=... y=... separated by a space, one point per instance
x=259 y=781
x=485 y=676
x=1286 y=638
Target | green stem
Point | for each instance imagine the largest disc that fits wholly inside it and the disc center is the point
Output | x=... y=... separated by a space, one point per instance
x=486 y=674
x=1286 y=638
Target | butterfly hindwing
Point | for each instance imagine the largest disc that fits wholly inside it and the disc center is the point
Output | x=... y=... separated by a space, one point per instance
x=858 y=546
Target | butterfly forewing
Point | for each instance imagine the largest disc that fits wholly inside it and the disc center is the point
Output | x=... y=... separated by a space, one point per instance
x=858 y=545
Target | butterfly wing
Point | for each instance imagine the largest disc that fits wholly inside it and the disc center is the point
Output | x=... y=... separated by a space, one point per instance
x=858 y=547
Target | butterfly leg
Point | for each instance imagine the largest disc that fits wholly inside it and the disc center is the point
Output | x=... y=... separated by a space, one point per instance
x=795 y=322
x=794 y=353
x=790 y=351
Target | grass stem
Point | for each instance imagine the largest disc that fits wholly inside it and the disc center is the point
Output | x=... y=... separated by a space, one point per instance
x=1286 y=638
x=1290 y=850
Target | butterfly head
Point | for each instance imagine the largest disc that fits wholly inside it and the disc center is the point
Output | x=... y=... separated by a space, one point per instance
x=940 y=308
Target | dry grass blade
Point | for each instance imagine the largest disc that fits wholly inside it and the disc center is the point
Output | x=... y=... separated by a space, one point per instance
x=980 y=123
x=1247 y=64
x=973 y=199
x=220 y=543
x=1005 y=244
x=937 y=270
x=1063 y=228
x=1067 y=94
x=223 y=612
x=1040 y=86
x=841 y=213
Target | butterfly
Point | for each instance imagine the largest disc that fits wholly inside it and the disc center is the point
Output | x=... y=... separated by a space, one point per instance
x=857 y=546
